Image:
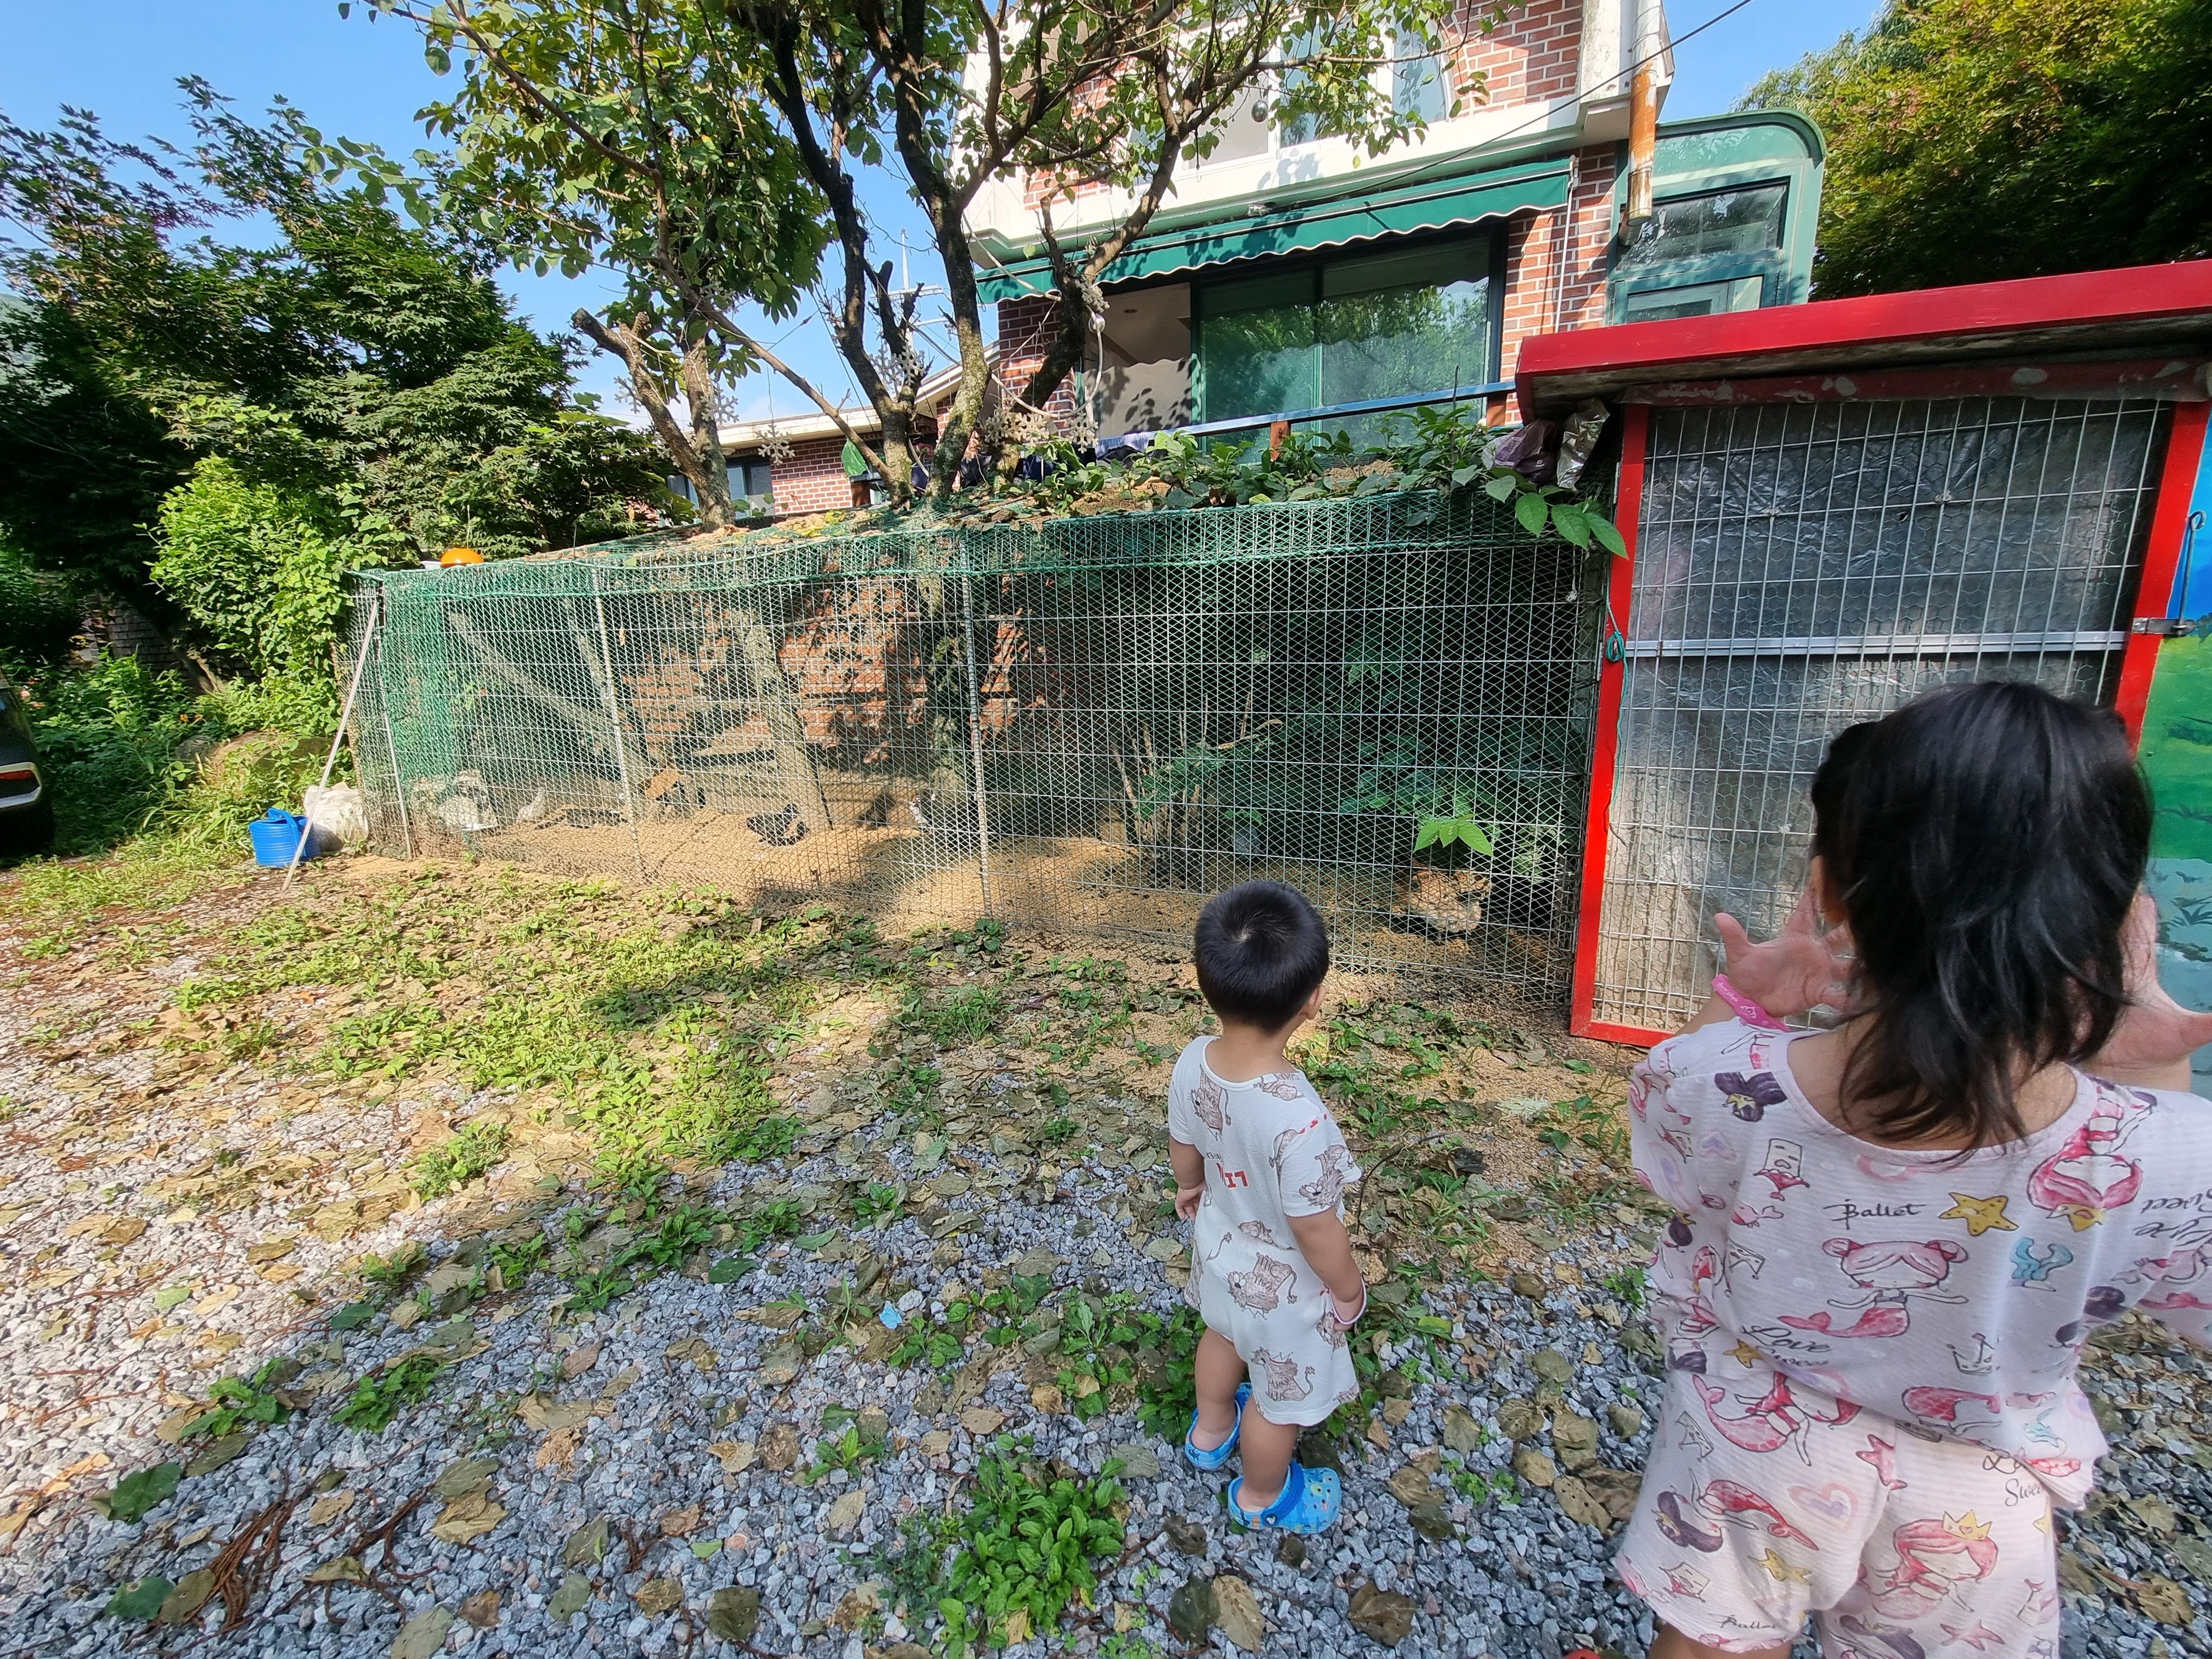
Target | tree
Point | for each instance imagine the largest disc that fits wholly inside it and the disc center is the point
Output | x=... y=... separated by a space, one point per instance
x=634 y=116
x=1972 y=140
x=225 y=424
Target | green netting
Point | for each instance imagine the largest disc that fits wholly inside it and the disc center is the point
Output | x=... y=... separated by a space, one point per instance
x=1084 y=726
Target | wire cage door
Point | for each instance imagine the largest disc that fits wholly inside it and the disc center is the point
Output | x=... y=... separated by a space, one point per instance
x=1800 y=567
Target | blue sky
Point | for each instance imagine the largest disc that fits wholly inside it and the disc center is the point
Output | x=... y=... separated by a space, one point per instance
x=366 y=79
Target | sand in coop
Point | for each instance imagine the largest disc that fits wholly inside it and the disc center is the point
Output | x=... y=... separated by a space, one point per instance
x=1050 y=887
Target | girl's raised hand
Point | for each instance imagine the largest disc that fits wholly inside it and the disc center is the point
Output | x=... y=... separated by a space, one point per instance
x=2155 y=1030
x=1799 y=969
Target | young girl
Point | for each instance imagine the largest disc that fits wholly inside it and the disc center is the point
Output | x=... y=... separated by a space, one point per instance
x=1260 y=1169
x=1893 y=1237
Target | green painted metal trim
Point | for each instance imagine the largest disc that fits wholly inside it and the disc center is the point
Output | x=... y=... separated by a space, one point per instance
x=1438 y=206
x=1787 y=271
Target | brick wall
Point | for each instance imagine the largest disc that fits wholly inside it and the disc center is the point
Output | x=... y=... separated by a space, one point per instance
x=1537 y=55
x=1538 y=297
x=1027 y=328
x=813 y=479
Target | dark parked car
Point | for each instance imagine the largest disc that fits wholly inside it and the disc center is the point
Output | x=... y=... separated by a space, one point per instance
x=26 y=812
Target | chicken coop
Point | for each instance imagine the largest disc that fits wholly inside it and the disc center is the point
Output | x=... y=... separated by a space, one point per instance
x=1832 y=507
x=1081 y=725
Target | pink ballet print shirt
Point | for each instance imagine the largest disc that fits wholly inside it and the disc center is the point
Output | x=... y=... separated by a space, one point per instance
x=1809 y=1275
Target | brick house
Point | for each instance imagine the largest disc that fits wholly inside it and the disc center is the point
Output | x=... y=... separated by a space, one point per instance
x=1288 y=279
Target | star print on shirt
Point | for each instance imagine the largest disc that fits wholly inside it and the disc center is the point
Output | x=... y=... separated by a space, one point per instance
x=1744 y=1354
x=1981 y=1215
x=1781 y=1571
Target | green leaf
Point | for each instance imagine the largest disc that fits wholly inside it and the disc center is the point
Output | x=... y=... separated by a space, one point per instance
x=1463 y=476
x=1608 y=538
x=1532 y=510
x=1502 y=486
x=352 y=1315
x=171 y=1296
x=141 y=1490
x=729 y=1269
x=1567 y=519
x=1432 y=832
x=140 y=1600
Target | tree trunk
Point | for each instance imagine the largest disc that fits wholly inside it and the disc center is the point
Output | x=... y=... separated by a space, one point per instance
x=695 y=453
x=794 y=759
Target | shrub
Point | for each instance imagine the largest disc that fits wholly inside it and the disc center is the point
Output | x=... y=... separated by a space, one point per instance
x=256 y=568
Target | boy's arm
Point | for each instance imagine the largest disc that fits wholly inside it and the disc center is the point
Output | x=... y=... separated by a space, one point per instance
x=1327 y=1247
x=1190 y=1177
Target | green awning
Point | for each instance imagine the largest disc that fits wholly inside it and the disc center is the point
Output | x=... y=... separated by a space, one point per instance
x=1436 y=206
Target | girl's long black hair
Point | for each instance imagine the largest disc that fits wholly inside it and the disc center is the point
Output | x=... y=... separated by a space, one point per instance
x=1984 y=843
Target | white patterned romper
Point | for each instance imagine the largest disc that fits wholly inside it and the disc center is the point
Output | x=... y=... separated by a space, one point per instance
x=1271 y=1151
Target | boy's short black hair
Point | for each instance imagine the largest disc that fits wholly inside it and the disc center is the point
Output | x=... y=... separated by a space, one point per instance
x=1261 y=949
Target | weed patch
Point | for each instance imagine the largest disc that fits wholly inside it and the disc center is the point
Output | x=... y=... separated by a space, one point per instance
x=1004 y=1569
x=474 y=1151
x=235 y=1401
x=378 y=1398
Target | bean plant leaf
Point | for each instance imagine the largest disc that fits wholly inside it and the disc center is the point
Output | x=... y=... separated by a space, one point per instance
x=1608 y=538
x=1532 y=510
x=1569 y=520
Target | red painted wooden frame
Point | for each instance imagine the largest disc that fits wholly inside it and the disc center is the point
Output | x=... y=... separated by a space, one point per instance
x=2169 y=521
x=2088 y=310
x=2185 y=448
x=1627 y=515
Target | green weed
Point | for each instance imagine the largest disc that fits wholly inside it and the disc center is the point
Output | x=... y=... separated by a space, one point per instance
x=517 y=1259
x=389 y=1273
x=474 y=1150
x=235 y=1401
x=969 y=1015
x=380 y=1397
x=879 y=1201
x=1029 y=1542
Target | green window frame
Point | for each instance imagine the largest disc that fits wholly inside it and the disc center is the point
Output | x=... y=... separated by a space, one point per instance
x=1718 y=249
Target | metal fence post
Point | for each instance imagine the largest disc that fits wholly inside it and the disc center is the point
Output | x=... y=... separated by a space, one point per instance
x=391 y=746
x=337 y=738
x=614 y=717
x=975 y=741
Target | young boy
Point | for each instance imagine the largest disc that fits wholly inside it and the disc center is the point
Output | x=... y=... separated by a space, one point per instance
x=1260 y=1169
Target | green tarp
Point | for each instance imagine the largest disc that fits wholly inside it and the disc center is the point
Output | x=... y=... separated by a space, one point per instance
x=1436 y=206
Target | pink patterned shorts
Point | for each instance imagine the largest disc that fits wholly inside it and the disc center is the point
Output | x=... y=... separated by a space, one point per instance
x=1902 y=1547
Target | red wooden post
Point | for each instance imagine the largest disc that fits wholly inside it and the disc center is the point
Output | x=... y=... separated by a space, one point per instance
x=2184 y=449
x=1628 y=508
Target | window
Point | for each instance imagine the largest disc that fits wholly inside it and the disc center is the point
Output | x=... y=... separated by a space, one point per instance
x=1347 y=331
x=1418 y=86
x=752 y=479
x=1244 y=130
x=1300 y=128
x=1748 y=221
x=1649 y=305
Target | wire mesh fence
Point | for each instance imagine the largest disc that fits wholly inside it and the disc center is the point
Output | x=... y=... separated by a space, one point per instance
x=1082 y=725
x=1803 y=567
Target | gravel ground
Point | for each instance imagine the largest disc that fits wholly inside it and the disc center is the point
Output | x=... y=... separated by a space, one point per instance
x=585 y=1483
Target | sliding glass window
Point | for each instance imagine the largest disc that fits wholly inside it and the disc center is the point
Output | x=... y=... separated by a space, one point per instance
x=1348 y=331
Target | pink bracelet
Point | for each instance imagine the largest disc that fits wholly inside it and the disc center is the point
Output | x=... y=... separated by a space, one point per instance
x=1748 y=1012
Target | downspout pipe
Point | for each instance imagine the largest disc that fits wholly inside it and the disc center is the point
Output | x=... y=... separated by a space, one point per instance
x=1644 y=115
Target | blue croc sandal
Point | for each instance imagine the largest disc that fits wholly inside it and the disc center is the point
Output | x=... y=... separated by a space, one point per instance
x=1213 y=1458
x=1311 y=1501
